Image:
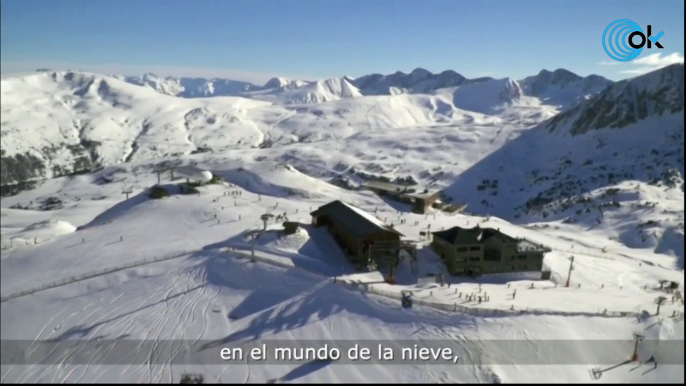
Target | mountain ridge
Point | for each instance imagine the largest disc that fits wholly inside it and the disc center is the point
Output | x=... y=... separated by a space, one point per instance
x=418 y=81
x=627 y=102
x=479 y=141
x=94 y=120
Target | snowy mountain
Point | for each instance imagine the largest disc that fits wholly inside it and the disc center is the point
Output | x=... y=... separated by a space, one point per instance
x=61 y=123
x=486 y=97
x=190 y=87
x=58 y=123
x=321 y=91
x=613 y=161
x=562 y=87
x=81 y=260
x=166 y=86
x=656 y=94
x=418 y=81
x=281 y=83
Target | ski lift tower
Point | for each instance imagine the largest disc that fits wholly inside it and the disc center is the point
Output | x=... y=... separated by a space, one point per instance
x=571 y=268
x=637 y=337
x=265 y=219
x=127 y=191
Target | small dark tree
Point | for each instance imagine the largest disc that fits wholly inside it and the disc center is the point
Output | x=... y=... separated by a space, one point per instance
x=158 y=192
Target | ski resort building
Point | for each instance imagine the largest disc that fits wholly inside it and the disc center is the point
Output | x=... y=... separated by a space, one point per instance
x=362 y=236
x=476 y=251
x=420 y=199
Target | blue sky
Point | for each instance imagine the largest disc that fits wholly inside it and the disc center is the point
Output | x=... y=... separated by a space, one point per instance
x=257 y=39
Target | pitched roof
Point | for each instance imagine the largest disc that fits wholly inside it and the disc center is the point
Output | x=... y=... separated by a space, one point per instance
x=479 y=235
x=401 y=190
x=355 y=220
x=467 y=236
x=474 y=235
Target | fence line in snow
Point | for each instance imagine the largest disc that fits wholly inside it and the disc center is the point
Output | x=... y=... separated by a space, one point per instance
x=450 y=307
x=482 y=311
x=454 y=307
x=92 y=274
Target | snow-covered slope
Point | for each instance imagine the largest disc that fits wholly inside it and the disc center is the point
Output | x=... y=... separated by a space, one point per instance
x=209 y=297
x=190 y=87
x=655 y=94
x=466 y=138
x=283 y=83
x=601 y=180
x=486 y=97
x=57 y=123
x=166 y=86
x=63 y=122
x=613 y=164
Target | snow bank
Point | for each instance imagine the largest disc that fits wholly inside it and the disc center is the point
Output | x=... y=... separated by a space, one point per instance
x=279 y=180
x=40 y=232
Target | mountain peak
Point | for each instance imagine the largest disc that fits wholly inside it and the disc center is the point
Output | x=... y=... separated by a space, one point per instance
x=545 y=85
x=562 y=87
x=277 y=82
x=563 y=76
x=657 y=93
x=420 y=72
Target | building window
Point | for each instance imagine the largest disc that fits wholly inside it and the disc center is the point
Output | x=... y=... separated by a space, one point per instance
x=474 y=259
x=477 y=248
x=460 y=260
x=521 y=257
x=462 y=249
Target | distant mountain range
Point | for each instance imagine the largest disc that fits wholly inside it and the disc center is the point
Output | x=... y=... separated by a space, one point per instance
x=58 y=123
x=552 y=146
x=559 y=88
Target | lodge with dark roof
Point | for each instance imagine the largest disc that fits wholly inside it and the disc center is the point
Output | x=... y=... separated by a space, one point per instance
x=420 y=199
x=357 y=232
x=476 y=251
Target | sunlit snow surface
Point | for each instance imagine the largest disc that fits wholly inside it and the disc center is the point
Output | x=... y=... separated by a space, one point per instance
x=280 y=158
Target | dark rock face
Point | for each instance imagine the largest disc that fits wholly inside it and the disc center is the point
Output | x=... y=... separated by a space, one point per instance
x=624 y=103
x=419 y=80
x=20 y=168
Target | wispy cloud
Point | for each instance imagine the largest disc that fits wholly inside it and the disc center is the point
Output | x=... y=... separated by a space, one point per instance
x=646 y=64
x=609 y=63
x=9 y=68
x=637 y=71
x=653 y=62
x=657 y=60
